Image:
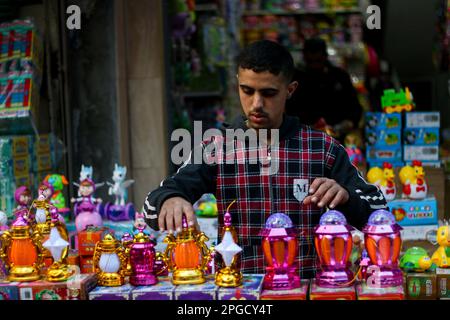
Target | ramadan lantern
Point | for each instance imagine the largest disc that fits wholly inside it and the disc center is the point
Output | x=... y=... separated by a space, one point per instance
x=142 y=259
x=110 y=262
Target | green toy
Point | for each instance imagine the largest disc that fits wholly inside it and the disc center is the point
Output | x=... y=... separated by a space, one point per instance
x=392 y=101
x=58 y=181
x=416 y=259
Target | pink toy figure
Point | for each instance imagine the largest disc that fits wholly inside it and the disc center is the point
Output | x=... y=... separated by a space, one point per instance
x=333 y=241
x=383 y=244
x=45 y=193
x=280 y=247
x=85 y=208
x=23 y=199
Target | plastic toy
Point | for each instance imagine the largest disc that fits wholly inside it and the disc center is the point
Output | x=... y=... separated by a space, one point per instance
x=87 y=208
x=441 y=257
x=119 y=211
x=23 y=199
x=392 y=101
x=3 y=221
x=206 y=206
x=415 y=259
x=333 y=242
x=383 y=178
x=383 y=243
x=353 y=146
x=413 y=180
x=58 y=182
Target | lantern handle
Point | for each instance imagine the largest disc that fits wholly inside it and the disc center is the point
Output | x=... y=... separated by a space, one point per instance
x=206 y=253
x=160 y=257
x=6 y=242
x=37 y=241
x=166 y=256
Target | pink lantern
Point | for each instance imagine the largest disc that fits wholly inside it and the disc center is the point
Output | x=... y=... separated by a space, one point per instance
x=383 y=244
x=333 y=242
x=280 y=247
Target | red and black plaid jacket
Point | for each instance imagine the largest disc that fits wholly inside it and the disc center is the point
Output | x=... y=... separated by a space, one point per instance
x=303 y=155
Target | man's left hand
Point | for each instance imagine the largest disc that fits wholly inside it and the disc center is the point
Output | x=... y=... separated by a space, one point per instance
x=326 y=192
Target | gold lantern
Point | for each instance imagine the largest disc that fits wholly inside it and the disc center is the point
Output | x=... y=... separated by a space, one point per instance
x=22 y=252
x=187 y=255
x=59 y=270
x=110 y=262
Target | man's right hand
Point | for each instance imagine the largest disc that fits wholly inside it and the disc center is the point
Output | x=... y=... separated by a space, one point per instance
x=171 y=213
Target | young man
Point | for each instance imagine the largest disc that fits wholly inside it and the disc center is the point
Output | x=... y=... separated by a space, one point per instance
x=313 y=171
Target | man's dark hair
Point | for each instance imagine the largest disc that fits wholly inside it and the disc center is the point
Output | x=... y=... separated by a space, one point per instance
x=265 y=55
x=315 y=45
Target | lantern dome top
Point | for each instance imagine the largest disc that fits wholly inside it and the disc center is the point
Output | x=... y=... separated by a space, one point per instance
x=278 y=220
x=333 y=217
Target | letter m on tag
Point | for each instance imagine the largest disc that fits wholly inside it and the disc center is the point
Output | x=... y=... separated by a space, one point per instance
x=301 y=187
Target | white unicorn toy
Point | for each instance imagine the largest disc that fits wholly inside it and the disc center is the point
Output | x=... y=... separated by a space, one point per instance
x=119 y=187
x=86 y=173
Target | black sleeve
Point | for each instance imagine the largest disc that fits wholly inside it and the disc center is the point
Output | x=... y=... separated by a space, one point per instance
x=364 y=198
x=190 y=182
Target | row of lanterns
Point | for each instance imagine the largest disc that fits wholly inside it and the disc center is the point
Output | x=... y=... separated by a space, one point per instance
x=187 y=255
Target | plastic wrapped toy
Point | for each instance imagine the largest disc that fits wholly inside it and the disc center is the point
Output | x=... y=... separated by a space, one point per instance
x=206 y=206
x=87 y=207
x=120 y=210
x=383 y=178
x=413 y=180
x=441 y=257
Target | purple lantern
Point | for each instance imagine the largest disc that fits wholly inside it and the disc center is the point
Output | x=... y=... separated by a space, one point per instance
x=142 y=260
x=333 y=242
x=280 y=247
x=383 y=244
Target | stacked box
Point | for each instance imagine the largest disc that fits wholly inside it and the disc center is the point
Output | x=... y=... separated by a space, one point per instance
x=163 y=290
x=409 y=212
x=87 y=240
x=421 y=286
x=443 y=283
x=43 y=290
x=320 y=293
x=79 y=286
x=250 y=289
x=380 y=138
x=364 y=292
x=300 y=293
x=112 y=293
x=204 y=291
x=421 y=135
x=9 y=290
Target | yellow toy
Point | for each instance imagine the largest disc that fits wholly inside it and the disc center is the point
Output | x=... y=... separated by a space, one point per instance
x=383 y=179
x=441 y=257
x=413 y=180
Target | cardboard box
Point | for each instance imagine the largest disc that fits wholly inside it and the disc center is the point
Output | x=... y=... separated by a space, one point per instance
x=422 y=153
x=320 y=293
x=363 y=292
x=415 y=212
x=163 y=290
x=443 y=283
x=88 y=238
x=250 y=290
x=9 y=290
x=384 y=138
x=21 y=166
x=86 y=264
x=421 y=286
x=42 y=162
x=15 y=146
x=425 y=232
x=421 y=136
x=381 y=120
x=389 y=154
x=204 y=291
x=112 y=293
x=80 y=285
x=300 y=293
x=422 y=120
x=43 y=290
x=43 y=144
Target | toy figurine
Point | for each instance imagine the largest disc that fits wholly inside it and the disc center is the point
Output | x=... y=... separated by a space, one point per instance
x=23 y=199
x=206 y=206
x=413 y=180
x=3 y=221
x=415 y=259
x=353 y=146
x=441 y=257
x=86 y=210
x=384 y=179
x=58 y=182
x=119 y=211
x=87 y=173
x=392 y=101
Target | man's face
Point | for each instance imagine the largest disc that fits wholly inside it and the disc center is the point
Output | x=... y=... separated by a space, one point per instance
x=263 y=96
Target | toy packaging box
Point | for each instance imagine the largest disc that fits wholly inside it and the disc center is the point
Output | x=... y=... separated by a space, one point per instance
x=443 y=283
x=415 y=212
x=422 y=153
x=364 y=292
x=422 y=120
x=88 y=238
x=411 y=233
x=382 y=120
x=300 y=293
x=163 y=290
x=86 y=264
x=421 y=286
x=112 y=293
x=43 y=290
x=421 y=136
x=320 y=293
x=250 y=290
x=80 y=285
x=376 y=163
x=384 y=154
x=384 y=137
x=9 y=290
x=204 y=291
